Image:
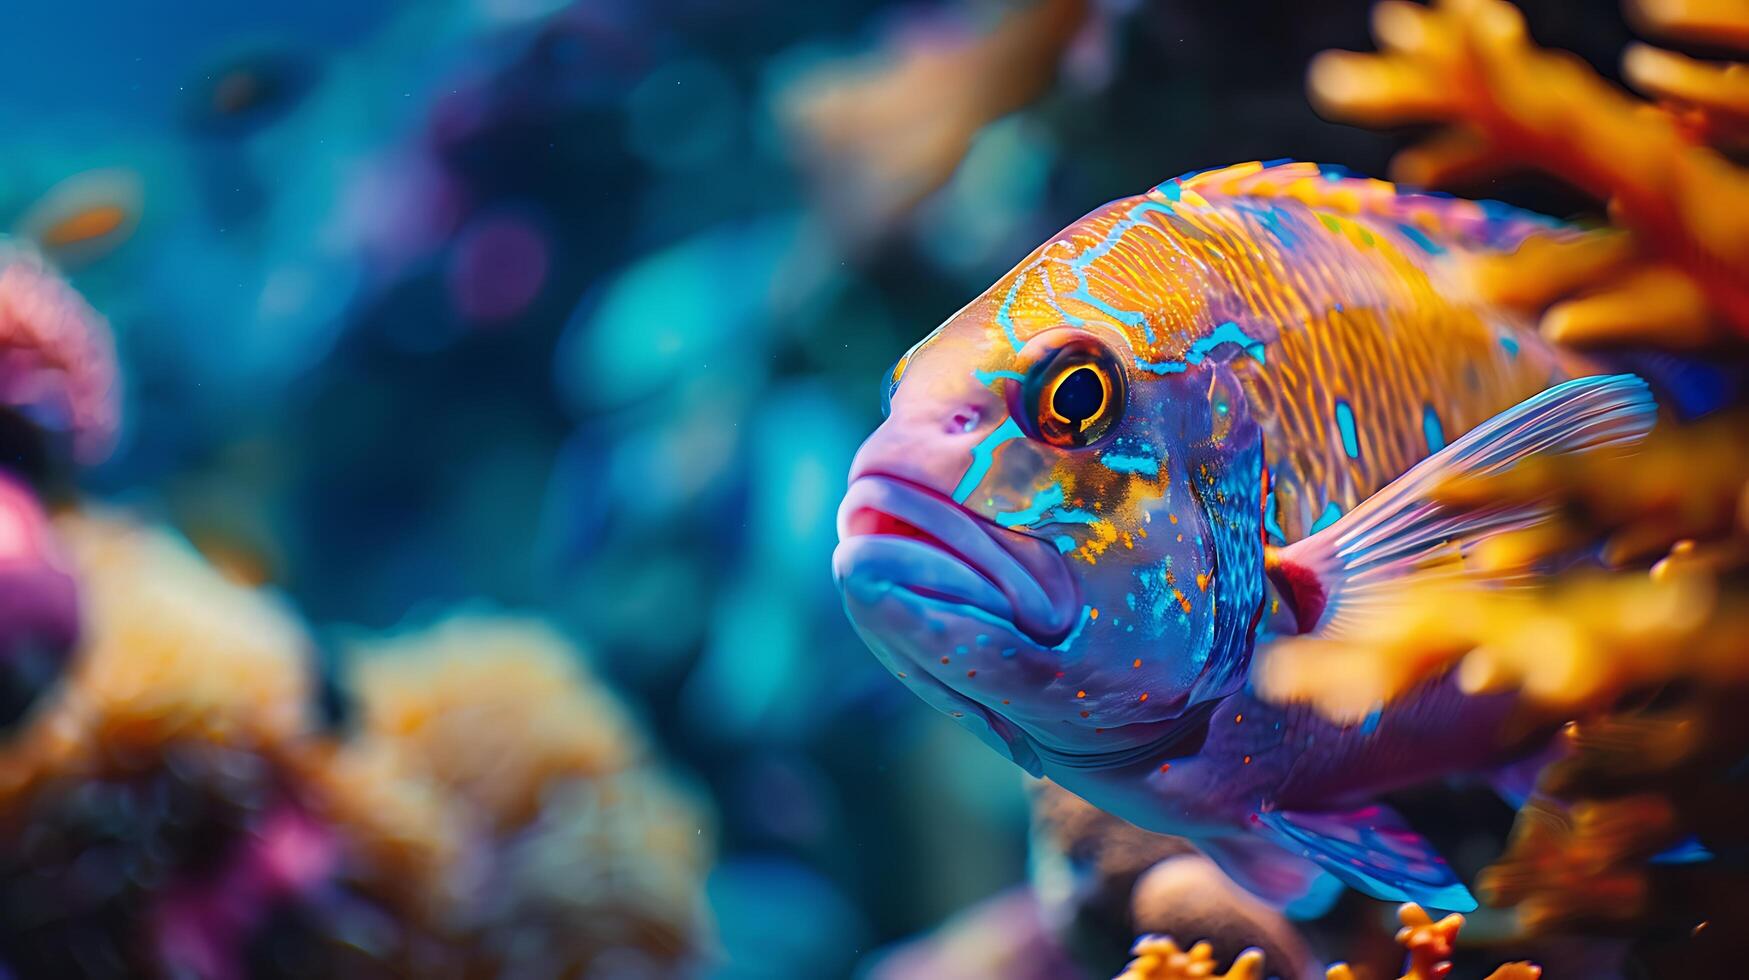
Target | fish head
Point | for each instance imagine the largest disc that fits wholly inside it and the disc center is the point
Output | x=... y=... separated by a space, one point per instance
x=1048 y=540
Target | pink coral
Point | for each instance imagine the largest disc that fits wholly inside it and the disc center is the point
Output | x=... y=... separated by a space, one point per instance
x=56 y=353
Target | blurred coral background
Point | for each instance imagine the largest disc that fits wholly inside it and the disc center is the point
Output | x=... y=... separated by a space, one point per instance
x=440 y=409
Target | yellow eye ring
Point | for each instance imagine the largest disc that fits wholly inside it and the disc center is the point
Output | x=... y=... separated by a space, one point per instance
x=1069 y=397
x=1074 y=394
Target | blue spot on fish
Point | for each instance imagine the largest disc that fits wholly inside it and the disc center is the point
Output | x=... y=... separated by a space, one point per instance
x=1370 y=723
x=983 y=454
x=1434 y=431
x=1509 y=343
x=1129 y=464
x=1042 y=501
x=1163 y=367
x=1331 y=515
x=1415 y=235
x=1271 y=220
x=1345 y=423
x=1226 y=333
x=1270 y=522
x=1064 y=543
x=987 y=378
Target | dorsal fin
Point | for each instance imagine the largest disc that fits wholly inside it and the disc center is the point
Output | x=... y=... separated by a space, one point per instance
x=1434 y=217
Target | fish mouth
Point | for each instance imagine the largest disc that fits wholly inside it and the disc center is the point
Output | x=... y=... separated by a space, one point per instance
x=902 y=533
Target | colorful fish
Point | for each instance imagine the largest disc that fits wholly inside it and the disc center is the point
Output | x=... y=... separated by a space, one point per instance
x=1196 y=418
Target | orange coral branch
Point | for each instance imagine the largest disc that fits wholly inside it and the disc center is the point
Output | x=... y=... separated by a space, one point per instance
x=1711 y=99
x=894 y=133
x=1470 y=63
x=1159 y=958
x=1721 y=22
x=1430 y=945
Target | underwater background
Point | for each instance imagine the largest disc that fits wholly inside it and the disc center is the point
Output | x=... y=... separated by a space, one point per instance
x=455 y=568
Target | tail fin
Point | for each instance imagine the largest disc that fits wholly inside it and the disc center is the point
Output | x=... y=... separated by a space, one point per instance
x=1332 y=576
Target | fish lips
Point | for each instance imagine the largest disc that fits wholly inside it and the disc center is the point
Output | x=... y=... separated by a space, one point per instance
x=892 y=531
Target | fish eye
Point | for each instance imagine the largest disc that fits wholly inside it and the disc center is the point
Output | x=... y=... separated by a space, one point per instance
x=1074 y=395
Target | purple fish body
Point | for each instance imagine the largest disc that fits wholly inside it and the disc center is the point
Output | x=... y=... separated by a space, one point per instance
x=1194 y=420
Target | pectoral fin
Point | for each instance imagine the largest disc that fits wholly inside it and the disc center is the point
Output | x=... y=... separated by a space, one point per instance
x=1373 y=850
x=1405 y=532
x=1259 y=865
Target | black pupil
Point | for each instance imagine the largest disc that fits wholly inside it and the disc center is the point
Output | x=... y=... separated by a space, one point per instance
x=1079 y=397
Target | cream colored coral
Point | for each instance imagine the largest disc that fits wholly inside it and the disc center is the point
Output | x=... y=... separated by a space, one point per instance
x=172 y=651
x=491 y=709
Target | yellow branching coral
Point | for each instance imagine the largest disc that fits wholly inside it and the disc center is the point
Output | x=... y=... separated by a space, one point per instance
x=1683 y=274
x=1428 y=943
x=1578 y=645
x=1711 y=98
x=1159 y=958
x=1638 y=783
x=1684 y=484
x=1581 y=868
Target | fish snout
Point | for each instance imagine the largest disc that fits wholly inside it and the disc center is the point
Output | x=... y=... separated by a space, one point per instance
x=932 y=437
